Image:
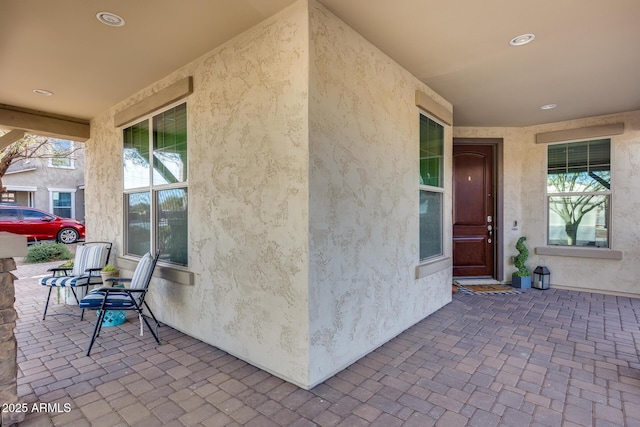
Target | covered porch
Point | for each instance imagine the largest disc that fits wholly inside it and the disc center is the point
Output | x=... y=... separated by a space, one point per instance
x=301 y=251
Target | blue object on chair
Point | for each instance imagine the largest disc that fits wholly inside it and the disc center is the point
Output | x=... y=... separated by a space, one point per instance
x=89 y=259
x=107 y=298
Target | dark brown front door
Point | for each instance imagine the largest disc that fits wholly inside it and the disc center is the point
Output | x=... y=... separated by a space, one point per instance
x=473 y=210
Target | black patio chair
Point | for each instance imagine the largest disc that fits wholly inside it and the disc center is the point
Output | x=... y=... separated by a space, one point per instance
x=107 y=298
x=90 y=258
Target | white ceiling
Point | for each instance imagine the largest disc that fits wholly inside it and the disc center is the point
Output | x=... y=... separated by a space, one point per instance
x=585 y=57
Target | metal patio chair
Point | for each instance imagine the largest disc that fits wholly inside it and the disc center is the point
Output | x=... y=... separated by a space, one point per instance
x=107 y=298
x=89 y=259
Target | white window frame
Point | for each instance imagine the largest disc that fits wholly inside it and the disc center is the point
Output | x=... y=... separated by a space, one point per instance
x=432 y=189
x=151 y=188
x=63 y=190
x=71 y=164
x=608 y=194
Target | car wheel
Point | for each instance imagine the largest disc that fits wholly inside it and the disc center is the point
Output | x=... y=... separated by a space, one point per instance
x=68 y=235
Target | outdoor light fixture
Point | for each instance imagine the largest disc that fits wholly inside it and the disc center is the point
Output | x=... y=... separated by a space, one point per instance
x=521 y=40
x=541 y=278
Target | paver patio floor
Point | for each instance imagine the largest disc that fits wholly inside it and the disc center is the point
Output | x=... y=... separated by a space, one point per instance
x=543 y=358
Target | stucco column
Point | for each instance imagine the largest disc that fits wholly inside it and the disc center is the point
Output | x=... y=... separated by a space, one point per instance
x=16 y=245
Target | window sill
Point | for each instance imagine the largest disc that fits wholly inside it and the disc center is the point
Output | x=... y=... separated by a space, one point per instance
x=170 y=273
x=432 y=266
x=599 y=253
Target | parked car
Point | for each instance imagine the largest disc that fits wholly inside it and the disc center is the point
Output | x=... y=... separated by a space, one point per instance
x=40 y=225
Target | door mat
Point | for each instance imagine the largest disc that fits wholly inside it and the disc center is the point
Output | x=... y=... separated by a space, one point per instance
x=493 y=289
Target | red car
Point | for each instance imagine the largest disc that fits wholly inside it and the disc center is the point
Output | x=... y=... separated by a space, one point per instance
x=40 y=225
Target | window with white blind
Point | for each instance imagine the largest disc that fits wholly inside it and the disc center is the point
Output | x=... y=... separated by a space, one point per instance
x=579 y=193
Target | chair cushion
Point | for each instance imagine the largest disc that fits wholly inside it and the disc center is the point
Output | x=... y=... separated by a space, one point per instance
x=89 y=256
x=62 y=281
x=140 y=277
x=117 y=300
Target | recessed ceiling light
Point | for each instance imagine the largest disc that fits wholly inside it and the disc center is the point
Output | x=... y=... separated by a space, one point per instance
x=522 y=39
x=548 y=107
x=42 y=92
x=110 y=19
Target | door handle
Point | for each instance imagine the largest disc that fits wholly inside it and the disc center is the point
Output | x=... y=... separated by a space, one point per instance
x=490 y=230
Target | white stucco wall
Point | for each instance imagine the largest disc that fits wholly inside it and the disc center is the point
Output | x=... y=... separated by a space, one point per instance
x=248 y=196
x=363 y=207
x=525 y=182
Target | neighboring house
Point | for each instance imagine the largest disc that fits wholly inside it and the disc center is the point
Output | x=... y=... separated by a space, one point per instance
x=54 y=184
x=300 y=186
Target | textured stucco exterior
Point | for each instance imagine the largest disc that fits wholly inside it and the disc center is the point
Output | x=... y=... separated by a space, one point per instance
x=525 y=201
x=363 y=189
x=303 y=197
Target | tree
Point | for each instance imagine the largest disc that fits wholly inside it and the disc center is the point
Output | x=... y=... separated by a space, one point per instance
x=30 y=147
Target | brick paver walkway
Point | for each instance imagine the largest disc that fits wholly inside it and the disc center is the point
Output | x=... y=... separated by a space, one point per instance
x=543 y=358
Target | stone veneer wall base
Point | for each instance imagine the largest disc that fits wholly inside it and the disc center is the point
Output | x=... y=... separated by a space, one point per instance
x=8 y=344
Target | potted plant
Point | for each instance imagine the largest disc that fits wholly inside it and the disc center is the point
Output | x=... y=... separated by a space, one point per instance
x=522 y=277
x=109 y=271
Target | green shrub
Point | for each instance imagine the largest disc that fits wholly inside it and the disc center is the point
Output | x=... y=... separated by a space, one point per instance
x=47 y=252
x=521 y=258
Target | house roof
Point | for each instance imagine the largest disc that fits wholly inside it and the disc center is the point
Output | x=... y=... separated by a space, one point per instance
x=584 y=58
